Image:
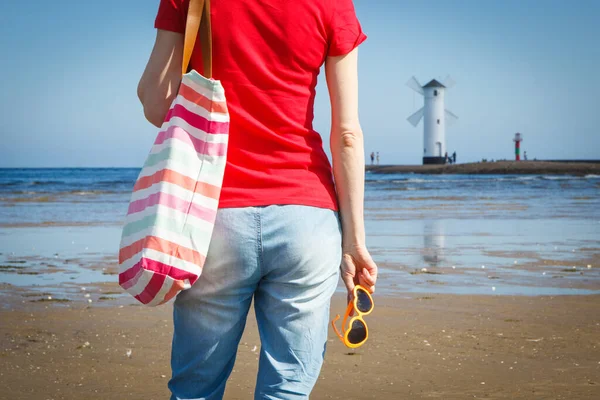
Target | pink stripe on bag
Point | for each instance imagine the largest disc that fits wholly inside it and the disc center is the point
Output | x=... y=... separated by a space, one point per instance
x=173 y=202
x=197 y=121
x=146 y=264
x=161 y=245
x=152 y=289
x=202 y=147
x=130 y=277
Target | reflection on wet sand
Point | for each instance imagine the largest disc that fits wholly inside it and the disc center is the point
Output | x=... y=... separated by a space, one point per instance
x=433 y=242
x=499 y=257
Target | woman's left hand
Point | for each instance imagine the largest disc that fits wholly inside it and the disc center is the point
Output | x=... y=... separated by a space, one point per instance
x=358 y=268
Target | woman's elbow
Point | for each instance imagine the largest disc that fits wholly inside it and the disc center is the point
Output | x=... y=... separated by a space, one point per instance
x=154 y=111
x=349 y=138
x=155 y=114
x=140 y=93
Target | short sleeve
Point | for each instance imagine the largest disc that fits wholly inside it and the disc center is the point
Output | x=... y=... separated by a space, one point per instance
x=172 y=15
x=345 y=31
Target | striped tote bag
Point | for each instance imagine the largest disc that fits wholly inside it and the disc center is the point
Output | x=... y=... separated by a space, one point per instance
x=174 y=203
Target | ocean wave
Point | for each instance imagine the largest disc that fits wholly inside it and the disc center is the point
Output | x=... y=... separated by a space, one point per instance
x=116 y=182
x=29 y=199
x=558 y=178
x=77 y=192
x=74 y=183
x=592 y=176
x=91 y=192
x=21 y=182
x=11 y=183
x=60 y=197
x=44 y=183
x=376 y=181
x=437 y=198
x=21 y=192
x=404 y=188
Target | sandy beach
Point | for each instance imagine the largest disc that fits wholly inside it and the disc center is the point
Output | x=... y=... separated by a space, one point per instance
x=420 y=347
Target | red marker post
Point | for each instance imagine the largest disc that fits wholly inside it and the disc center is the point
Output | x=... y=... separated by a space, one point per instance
x=518 y=139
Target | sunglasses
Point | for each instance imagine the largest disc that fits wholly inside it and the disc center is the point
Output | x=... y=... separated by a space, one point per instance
x=355 y=332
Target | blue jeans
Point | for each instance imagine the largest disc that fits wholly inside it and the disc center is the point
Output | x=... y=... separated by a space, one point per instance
x=285 y=257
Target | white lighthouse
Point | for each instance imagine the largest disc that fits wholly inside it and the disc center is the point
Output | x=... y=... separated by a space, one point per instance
x=435 y=117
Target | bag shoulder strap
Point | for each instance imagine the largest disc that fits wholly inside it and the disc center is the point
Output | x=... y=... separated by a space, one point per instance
x=198 y=19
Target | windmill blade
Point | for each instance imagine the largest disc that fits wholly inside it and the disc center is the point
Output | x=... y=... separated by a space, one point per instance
x=451 y=118
x=416 y=117
x=414 y=84
x=448 y=82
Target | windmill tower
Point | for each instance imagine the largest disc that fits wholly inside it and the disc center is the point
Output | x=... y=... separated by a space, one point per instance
x=435 y=117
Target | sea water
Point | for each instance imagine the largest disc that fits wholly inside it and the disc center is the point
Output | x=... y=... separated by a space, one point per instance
x=468 y=234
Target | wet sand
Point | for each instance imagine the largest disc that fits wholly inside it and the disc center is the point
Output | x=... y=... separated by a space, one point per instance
x=420 y=346
x=494 y=168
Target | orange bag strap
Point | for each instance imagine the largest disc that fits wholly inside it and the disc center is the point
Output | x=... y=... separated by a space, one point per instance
x=198 y=19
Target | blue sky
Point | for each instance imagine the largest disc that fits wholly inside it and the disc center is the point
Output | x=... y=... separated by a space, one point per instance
x=70 y=68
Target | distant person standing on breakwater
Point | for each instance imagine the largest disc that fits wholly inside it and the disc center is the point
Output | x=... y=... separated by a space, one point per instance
x=377 y=158
x=372 y=158
x=454 y=158
x=525 y=156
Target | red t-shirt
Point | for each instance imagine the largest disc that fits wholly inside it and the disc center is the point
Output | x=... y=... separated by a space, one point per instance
x=267 y=55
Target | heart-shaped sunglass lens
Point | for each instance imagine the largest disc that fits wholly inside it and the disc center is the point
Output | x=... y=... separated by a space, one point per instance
x=363 y=301
x=358 y=333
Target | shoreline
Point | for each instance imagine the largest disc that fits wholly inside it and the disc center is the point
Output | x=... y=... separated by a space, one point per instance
x=494 y=168
x=556 y=270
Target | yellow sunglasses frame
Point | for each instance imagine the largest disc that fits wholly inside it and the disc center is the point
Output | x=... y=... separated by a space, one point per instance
x=359 y=317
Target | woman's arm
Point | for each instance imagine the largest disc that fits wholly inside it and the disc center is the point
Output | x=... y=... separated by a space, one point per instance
x=347 y=150
x=162 y=76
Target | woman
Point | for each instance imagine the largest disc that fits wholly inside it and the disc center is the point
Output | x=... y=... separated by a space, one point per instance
x=277 y=236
